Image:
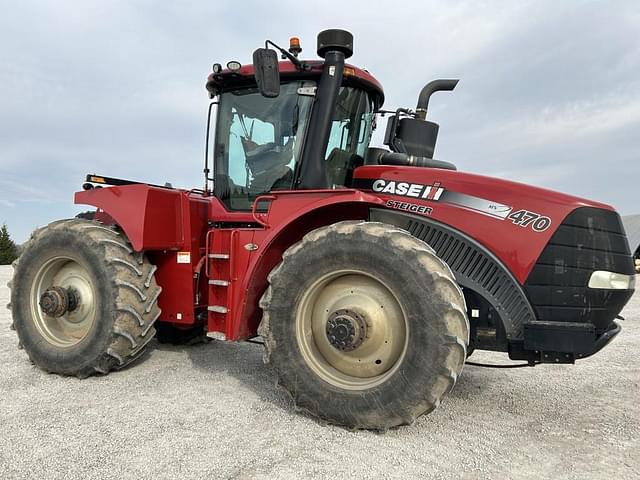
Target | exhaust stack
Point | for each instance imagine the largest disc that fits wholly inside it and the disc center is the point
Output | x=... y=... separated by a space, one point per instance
x=442 y=85
x=410 y=133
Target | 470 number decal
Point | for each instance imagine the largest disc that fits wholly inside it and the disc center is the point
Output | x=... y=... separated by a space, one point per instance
x=525 y=218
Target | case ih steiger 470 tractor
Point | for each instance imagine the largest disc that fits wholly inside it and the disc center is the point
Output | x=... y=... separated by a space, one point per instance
x=370 y=274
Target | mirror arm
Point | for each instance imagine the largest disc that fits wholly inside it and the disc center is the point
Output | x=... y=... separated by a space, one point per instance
x=302 y=66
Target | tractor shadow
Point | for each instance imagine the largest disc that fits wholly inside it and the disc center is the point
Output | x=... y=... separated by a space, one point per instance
x=469 y=384
x=242 y=361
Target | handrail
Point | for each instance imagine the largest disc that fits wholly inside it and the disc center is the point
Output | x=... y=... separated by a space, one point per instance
x=254 y=207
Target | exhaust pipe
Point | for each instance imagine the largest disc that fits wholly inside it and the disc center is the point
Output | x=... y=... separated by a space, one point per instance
x=442 y=85
x=413 y=134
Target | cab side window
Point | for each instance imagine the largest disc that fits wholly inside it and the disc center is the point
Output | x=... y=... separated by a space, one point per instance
x=349 y=136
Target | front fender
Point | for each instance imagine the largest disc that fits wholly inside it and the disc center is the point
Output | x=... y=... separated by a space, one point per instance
x=474 y=266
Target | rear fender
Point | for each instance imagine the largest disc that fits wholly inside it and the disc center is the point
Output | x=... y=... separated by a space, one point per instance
x=170 y=226
x=152 y=218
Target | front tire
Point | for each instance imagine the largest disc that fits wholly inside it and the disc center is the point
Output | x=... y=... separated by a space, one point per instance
x=364 y=325
x=83 y=302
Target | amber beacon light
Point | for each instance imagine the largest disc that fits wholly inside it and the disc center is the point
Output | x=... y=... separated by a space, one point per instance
x=294 y=46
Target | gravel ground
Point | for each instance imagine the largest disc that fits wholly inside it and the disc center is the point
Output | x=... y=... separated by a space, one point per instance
x=212 y=411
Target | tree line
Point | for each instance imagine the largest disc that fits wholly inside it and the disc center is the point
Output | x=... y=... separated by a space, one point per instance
x=8 y=248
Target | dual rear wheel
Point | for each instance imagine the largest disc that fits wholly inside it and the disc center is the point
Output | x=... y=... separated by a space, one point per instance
x=83 y=301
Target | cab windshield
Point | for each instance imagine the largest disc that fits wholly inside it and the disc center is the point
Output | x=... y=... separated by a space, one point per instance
x=258 y=141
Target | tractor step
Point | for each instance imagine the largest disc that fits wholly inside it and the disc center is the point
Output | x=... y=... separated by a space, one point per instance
x=220 y=247
x=218 y=309
x=217 y=335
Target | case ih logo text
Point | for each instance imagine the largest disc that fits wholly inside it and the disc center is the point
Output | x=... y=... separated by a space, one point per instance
x=414 y=190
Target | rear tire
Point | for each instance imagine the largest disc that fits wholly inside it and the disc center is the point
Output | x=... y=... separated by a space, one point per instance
x=114 y=289
x=88 y=215
x=364 y=325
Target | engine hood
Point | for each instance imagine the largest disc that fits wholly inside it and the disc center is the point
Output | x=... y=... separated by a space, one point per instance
x=513 y=220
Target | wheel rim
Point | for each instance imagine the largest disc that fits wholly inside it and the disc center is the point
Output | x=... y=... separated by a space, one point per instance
x=351 y=330
x=67 y=327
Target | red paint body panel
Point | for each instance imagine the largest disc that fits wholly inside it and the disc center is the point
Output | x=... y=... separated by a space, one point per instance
x=163 y=222
x=177 y=299
x=152 y=217
x=288 y=69
x=517 y=247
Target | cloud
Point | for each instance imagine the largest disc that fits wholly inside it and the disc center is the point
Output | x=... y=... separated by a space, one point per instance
x=550 y=91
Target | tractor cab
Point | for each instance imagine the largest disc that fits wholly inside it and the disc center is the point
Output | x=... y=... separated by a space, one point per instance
x=269 y=142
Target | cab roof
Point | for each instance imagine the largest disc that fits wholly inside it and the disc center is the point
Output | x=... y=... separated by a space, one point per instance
x=244 y=77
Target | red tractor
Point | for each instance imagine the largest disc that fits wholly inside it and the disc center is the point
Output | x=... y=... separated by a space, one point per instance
x=370 y=274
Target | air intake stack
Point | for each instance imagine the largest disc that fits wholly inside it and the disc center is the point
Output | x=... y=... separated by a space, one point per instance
x=334 y=46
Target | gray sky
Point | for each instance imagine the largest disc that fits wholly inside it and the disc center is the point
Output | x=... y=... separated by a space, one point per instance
x=549 y=91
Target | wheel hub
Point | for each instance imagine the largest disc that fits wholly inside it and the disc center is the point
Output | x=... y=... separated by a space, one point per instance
x=346 y=329
x=56 y=301
x=351 y=329
x=63 y=301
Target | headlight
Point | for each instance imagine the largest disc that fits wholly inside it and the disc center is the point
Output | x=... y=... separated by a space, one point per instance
x=611 y=280
x=234 y=66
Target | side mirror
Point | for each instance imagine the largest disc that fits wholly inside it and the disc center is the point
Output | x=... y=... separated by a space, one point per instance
x=265 y=65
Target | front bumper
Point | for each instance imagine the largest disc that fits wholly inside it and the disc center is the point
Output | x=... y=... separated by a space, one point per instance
x=562 y=342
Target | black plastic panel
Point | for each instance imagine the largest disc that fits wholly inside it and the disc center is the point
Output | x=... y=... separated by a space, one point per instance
x=586 y=258
x=595 y=219
x=473 y=265
x=561 y=275
x=572 y=296
x=575 y=236
x=572 y=338
x=589 y=239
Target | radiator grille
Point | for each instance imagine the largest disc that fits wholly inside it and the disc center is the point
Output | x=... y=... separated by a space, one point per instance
x=589 y=239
